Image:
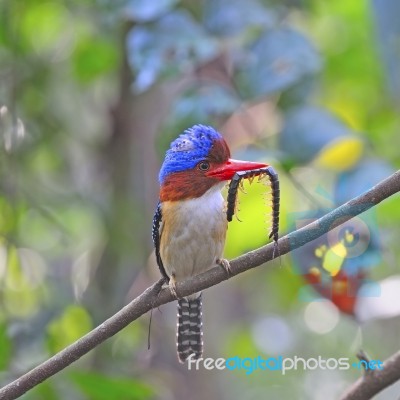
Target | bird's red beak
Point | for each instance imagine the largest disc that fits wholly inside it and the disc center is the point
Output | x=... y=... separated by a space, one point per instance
x=228 y=170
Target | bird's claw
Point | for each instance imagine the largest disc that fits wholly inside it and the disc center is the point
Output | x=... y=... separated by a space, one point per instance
x=224 y=263
x=172 y=286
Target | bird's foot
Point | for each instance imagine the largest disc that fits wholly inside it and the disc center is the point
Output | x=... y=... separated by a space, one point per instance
x=224 y=263
x=172 y=286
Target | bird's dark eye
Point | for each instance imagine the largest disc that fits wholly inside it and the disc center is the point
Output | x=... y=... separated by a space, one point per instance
x=203 y=166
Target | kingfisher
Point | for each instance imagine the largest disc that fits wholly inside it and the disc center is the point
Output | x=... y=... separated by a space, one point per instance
x=190 y=222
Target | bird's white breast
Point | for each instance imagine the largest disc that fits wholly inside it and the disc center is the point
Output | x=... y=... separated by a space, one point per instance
x=193 y=234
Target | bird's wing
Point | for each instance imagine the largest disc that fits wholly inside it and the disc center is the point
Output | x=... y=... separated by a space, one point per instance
x=156 y=234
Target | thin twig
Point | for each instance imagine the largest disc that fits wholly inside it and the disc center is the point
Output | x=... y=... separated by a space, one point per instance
x=363 y=356
x=153 y=297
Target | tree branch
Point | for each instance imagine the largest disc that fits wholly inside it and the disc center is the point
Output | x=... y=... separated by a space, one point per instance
x=155 y=295
x=373 y=381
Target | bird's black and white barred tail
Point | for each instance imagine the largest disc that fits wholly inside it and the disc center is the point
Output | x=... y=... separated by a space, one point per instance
x=189 y=336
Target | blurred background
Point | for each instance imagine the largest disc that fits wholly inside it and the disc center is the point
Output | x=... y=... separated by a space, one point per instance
x=91 y=94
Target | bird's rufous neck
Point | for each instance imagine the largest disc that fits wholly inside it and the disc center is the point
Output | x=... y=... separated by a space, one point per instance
x=185 y=185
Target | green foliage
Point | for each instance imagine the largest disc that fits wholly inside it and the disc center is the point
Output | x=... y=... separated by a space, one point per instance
x=7 y=217
x=93 y=57
x=310 y=133
x=70 y=326
x=240 y=344
x=22 y=293
x=43 y=26
x=43 y=391
x=165 y=49
x=6 y=347
x=101 y=387
x=277 y=60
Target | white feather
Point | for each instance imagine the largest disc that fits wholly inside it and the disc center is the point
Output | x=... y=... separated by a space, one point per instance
x=193 y=234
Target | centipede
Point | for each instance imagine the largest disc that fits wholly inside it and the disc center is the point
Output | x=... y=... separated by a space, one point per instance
x=236 y=184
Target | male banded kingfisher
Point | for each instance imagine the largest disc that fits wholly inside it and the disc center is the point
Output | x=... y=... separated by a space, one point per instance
x=190 y=222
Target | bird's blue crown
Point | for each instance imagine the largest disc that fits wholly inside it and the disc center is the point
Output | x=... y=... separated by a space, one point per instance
x=188 y=149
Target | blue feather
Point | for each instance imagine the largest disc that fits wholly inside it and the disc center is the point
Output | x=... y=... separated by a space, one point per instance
x=188 y=150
